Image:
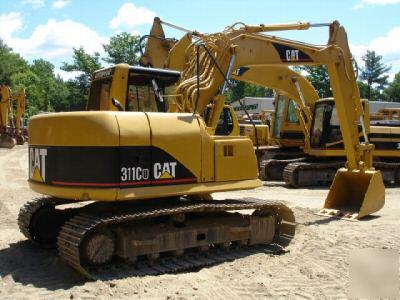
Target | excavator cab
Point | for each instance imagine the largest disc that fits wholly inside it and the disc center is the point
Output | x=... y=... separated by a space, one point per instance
x=228 y=123
x=131 y=88
x=286 y=129
x=325 y=128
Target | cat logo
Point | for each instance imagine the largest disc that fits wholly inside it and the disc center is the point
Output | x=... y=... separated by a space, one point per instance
x=37 y=164
x=292 y=55
x=164 y=170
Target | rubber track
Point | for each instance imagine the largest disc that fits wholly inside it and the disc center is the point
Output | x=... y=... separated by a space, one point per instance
x=290 y=171
x=29 y=209
x=390 y=166
x=74 y=231
x=273 y=163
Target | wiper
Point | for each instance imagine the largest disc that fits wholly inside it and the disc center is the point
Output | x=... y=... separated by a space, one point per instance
x=157 y=91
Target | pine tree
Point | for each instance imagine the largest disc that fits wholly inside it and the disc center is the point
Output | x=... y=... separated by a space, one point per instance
x=374 y=73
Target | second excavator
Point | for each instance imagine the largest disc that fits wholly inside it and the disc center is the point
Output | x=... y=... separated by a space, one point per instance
x=12 y=131
x=7 y=139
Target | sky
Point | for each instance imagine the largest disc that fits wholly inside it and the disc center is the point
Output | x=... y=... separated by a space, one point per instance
x=49 y=29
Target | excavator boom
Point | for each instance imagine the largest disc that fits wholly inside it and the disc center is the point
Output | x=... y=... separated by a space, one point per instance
x=213 y=56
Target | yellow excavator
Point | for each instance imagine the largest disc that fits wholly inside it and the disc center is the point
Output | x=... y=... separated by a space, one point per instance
x=325 y=152
x=12 y=131
x=149 y=176
x=7 y=139
x=20 y=133
x=318 y=163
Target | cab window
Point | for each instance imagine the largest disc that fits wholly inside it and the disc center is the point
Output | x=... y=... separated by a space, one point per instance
x=326 y=127
x=278 y=117
x=334 y=133
x=141 y=95
x=141 y=98
x=99 y=94
x=291 y=113
x=225 y=123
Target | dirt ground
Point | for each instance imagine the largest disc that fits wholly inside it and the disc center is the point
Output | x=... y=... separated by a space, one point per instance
x=316 y=266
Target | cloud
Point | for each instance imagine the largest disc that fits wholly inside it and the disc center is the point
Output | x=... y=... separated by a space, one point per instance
x=129 y=16
x=66 y=75
x=34 y=3
x=388 y=46
x=52 y=40
x=60 y=3
x=364 y=3
x=9 y=24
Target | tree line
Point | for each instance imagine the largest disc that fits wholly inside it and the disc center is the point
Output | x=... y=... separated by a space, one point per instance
x=47 y=92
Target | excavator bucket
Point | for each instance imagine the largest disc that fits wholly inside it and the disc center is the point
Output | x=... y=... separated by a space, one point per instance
x=7 y=141
x=354 y=195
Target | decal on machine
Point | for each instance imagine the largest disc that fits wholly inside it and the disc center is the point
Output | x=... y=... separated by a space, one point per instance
x=290 y=54
x=161 y=172
x=106 y=167
x=164 y=170
x=240 y=71
x=134 y=174
x=37 y=164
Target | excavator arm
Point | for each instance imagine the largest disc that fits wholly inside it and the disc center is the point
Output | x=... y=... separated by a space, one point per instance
x=288 y=82
x=357 y=190
x=161 y=52
x=20 y=111
x=5 y=106
x=6 y=137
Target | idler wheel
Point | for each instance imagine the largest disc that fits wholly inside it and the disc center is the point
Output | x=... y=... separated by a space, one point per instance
x=99 y=247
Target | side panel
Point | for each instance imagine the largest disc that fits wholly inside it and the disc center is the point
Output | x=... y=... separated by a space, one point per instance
x=207 y=154
x=178 y=135
x=235 y=160
x=95 y=128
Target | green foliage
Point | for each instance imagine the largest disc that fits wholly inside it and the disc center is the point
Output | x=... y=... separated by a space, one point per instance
x=48 y=92
x=10 y=63
x=84 y=63
x=242 y=89
x=319 y=78
x=374 y=74
x=123 y=48
x=45 y=91
x=393 y=91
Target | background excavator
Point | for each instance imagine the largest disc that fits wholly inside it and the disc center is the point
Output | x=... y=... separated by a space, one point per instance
x=151 y=190
x=325 y=152
x=12 y=131
x=7 y=139
x=293 y=125
x=20 y=132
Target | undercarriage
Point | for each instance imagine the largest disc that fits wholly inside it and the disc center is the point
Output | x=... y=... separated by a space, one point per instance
x=155 y=234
